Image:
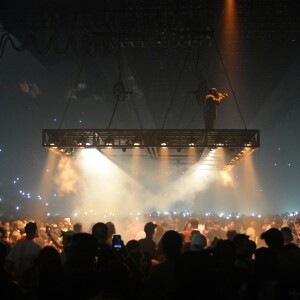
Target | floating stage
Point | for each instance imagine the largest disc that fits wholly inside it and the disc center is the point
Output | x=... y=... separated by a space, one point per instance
x=175 y=150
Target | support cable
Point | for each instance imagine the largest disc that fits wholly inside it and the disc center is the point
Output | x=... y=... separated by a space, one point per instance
x=72 y=91
x=175 y=89
x=132 y=100
x=231 y=88
x=117 y=96
x=121 y=93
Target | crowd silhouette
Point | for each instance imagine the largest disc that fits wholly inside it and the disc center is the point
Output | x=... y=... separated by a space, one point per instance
x=179 y=258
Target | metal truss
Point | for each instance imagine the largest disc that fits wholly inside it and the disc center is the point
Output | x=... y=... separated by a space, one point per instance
x=235 y=143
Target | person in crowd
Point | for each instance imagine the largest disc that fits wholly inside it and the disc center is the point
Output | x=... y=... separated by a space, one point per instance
x=100 y=232
x=81 y=281
x=296 y=232
x=273 y=238
x=66 y=240
x=198 y=242
x=190 y=225
x=251 y=231
x=23 y=254
x=266 y=224
x=162 y=276
x=77 y=227
x=7 y=227
x=216 y=232
x=45 y=279
x=245 y=249
x=160 y=230
x=138 y=261
x=111 y=231
x=105 y=251
x=55 y=237
x=3 y=239
x=147 y=243
x=66 y=225
x=17 y=231
x=42 y=240
x=230 y=234
x=288 y=238
x=231 y=226
x=10 y=289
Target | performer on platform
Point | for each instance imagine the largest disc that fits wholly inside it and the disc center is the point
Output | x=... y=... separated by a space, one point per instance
x=212 y=99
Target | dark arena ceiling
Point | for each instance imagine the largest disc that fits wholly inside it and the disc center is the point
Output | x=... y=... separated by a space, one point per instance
x=163 y=50
x=148 y=64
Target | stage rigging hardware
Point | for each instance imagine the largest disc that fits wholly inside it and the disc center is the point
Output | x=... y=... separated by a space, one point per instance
x=97 y=29
x=236 y=144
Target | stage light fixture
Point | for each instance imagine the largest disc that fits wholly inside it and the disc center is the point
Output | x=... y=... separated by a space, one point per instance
x=81 y=141
x=136 y=141
x=52 y=142
x=164 y=142
x=109 y=141
x=192 y=142
x=219 y=142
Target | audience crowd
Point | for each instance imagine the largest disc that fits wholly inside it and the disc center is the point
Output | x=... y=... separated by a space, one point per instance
x=173 y=257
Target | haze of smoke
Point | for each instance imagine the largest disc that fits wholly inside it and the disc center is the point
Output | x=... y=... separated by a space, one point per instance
x=102 y=189
x=67 y=179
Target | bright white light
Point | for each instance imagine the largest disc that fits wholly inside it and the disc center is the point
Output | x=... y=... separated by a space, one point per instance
x=48 y=214
x=227 y=178
x=17 y=207
x=259 y=216
x=95 y=161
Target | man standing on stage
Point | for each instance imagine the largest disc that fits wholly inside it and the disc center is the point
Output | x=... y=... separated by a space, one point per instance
x=213 y=99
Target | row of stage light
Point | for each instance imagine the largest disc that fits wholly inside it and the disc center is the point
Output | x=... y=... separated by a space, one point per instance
x=67 y=141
